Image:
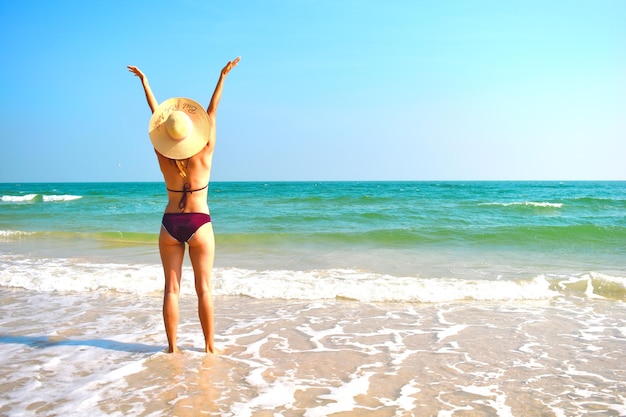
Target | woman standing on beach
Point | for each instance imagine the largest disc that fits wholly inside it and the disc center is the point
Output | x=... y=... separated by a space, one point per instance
x=183 y=136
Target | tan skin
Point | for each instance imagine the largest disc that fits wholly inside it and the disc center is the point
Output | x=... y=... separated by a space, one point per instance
x=202 y=244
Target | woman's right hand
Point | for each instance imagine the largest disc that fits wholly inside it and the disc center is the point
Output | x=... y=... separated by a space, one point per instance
x=230 y=65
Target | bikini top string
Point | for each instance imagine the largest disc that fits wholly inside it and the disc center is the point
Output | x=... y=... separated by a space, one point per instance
x=186 y=190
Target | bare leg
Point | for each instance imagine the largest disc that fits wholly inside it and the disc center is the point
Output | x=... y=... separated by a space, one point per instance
x=202 y=253
x=172 y=254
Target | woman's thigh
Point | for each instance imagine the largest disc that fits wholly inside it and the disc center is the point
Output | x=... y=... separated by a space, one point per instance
x=172 y=254
x=202 y=253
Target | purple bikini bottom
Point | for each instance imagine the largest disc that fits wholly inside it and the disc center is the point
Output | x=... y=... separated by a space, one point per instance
x=182 y=226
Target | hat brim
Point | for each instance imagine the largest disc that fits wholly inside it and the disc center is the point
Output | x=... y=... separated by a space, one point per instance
x=193 y=143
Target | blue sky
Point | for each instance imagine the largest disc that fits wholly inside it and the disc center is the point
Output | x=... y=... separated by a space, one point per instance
x=325 y=90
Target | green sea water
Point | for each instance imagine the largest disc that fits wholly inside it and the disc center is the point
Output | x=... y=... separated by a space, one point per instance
x=464 y=230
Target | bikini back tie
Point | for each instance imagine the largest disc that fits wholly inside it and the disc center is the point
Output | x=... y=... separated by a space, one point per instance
x=186 y=190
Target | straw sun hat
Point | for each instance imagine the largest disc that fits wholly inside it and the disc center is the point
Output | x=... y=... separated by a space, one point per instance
x=179 y=128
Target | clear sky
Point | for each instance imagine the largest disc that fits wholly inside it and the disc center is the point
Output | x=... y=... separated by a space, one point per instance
x=325 y=90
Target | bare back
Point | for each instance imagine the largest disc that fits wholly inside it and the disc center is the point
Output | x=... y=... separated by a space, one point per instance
x=198 y=170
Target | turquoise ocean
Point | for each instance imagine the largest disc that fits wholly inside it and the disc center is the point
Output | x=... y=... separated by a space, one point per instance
x=332 y=298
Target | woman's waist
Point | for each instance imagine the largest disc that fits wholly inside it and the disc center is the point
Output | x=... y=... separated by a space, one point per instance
x=191 y=206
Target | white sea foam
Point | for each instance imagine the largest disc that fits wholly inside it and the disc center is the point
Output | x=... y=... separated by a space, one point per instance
x=14 y=233
x=18 y=199
x=525 y=203
x=498 y=404
x=278 y=394
x=451 y=331
x=72 y=275
x=405 y=402
x=53 y=198
x=69 y=275
x=343 y=397
x=373 y=287
x=44 y=198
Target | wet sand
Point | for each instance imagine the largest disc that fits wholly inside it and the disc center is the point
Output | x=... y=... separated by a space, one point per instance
x=104 y=353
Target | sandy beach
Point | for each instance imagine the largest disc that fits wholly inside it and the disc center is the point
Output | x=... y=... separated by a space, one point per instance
x=105 y=356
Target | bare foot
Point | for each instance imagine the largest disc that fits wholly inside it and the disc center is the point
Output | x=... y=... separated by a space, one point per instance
x=214 y=351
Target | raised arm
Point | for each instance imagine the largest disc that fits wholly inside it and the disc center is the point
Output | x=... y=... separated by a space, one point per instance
x=152 y=102
x=217 y=94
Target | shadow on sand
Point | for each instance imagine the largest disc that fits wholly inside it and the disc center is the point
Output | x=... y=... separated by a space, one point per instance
x=41 y=342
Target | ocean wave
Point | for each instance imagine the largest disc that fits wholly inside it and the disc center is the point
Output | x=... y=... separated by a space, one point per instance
x=7 y=234
x=37 y=198
x=372 y=287
x=596 y=285
x=67 y=275
x=18 y=198
x=52 y=198
x=523 y=235
x=70 y=275
x=525 y=203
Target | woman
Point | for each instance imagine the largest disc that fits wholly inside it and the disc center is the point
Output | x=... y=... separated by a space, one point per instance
x=183 y=135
